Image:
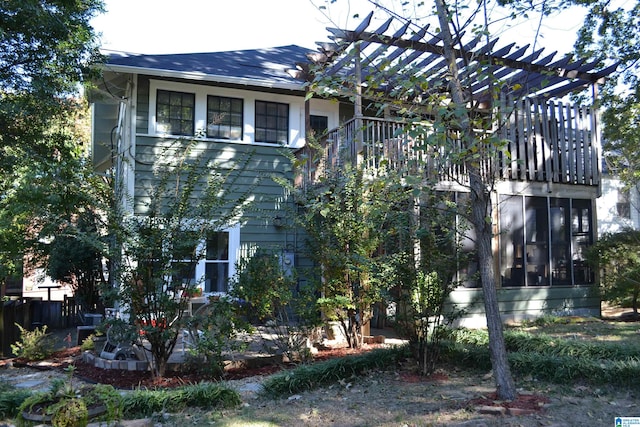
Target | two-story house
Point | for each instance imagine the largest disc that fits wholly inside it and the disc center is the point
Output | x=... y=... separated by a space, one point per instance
x=547 y=181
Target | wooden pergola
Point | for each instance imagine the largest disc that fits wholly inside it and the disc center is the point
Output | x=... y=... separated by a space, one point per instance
x=550 y=141
x=397 y=56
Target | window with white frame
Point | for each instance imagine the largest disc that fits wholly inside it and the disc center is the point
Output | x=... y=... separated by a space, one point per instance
x=216 y=262
x=224 y=117
x=272 y=122
x=175 y=112
x=623 y=206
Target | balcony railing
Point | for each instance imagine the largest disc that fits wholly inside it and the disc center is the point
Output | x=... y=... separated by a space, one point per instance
x=540 y=142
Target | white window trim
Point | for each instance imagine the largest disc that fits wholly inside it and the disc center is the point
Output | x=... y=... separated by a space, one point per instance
x=296 y=110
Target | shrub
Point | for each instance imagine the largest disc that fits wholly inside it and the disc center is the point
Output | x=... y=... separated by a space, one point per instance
x=211 y=331
x=272 y=297
x=33 y=345
x=88 y=344
x=67 y=405
x=551 y=359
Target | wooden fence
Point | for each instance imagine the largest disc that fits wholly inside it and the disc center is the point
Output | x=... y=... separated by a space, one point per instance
x=31 y=313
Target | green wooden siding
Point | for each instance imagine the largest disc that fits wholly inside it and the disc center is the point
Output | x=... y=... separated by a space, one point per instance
x=270 y=198
x=519 y=303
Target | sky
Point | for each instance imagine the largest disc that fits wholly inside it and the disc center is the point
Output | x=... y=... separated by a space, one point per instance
x=179 y=26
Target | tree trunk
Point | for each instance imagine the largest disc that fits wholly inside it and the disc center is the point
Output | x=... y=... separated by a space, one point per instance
x=481 y=211
x=481 y=221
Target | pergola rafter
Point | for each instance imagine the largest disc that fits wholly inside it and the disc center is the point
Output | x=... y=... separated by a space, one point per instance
x=399 y=56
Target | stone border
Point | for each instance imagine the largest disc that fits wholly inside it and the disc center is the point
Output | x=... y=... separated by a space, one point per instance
x=125 y=365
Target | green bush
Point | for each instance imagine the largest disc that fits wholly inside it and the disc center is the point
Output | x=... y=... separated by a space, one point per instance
x=517 y=341
x=33 y=345
x=212 y=331
x=68 y=404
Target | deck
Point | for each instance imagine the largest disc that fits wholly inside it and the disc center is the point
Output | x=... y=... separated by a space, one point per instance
x=534 y=141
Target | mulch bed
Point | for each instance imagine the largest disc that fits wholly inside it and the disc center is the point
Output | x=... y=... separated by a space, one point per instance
x=134 y=379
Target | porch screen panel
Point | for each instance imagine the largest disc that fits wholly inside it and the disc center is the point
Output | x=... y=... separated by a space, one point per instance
x=560 y=244
x=581 y=239
x=537 y=238
x=468 y=272
x=511 y=241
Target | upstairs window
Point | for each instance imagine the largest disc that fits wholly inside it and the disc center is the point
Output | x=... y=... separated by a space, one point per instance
x=175 y=112
x=224 y=117
x=319 y=125
x=272 y=122
x=623 y=206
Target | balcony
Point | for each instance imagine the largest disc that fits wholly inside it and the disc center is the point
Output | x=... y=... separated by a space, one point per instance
x=542 y=141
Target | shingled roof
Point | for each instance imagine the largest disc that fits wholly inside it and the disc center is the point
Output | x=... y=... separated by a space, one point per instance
x=260 y=67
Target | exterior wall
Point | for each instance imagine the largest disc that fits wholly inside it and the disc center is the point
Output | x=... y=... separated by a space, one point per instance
x=269 y=224
x=35 y=286
x=609 y=218
x=259 y=227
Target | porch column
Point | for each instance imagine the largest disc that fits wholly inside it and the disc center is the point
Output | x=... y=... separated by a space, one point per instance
x=359 y=140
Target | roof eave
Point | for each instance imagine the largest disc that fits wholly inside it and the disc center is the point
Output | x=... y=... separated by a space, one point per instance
x=204 y=77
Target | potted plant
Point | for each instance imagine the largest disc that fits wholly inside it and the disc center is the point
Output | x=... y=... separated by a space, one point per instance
x=66 y=405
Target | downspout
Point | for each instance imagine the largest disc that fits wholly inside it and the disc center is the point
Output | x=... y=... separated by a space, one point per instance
x=119 y=188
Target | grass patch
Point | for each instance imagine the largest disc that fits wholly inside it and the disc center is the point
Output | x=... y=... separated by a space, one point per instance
x=307 y=377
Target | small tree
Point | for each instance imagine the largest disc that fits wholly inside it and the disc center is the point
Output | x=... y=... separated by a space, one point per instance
x=425 y=311
x=617 y=256
x=273 y=296
x=213 y=330
x=190 y=199
x=75 y=257
x=344 y=220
